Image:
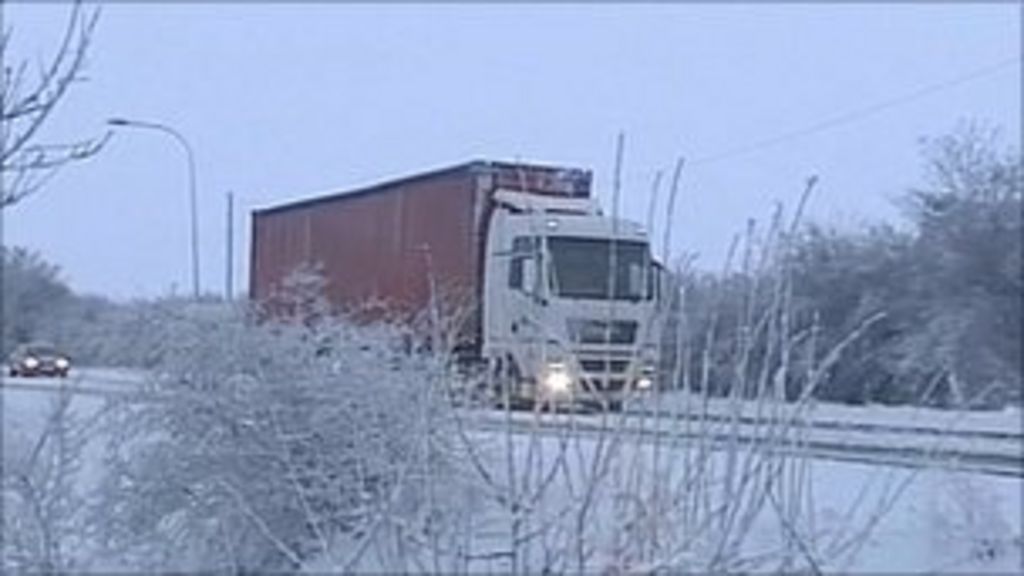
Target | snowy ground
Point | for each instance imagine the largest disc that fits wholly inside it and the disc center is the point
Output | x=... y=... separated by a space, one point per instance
x=944 y=521
x=27 y=405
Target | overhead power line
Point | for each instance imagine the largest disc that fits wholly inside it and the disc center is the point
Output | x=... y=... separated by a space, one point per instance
x=857 y=114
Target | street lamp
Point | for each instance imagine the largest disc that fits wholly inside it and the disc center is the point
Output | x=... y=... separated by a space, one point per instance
x=122 y=122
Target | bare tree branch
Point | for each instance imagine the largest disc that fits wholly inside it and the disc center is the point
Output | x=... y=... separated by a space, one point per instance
x=25 y=166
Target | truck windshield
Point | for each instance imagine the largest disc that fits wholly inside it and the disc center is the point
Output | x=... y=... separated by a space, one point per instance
x=580 y=268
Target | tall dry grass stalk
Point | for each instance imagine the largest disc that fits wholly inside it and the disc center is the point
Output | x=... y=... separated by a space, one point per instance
x=664 y=486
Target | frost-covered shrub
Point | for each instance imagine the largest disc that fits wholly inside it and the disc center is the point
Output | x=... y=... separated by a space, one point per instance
x=41 y=505
x=257 y=445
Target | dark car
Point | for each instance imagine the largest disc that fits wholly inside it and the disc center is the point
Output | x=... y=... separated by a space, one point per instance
x=38 y=360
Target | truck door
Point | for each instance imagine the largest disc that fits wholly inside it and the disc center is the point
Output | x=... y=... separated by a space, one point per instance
x=526 y=297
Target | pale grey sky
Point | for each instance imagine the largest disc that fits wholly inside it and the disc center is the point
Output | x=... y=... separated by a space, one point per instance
x=282 y=102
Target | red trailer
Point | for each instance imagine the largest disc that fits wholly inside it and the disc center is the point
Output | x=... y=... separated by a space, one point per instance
x=385 y=243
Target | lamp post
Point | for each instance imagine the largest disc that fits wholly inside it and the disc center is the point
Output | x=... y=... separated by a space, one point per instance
x=122 y=122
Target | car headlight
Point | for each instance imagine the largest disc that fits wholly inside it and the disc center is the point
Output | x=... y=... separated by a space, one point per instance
x=31 y=362
x=557 y=379
x=61 y=363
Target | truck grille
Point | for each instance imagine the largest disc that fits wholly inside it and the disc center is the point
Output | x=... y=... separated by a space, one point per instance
x=602 y=331
x=601 y=366
x=610 y=385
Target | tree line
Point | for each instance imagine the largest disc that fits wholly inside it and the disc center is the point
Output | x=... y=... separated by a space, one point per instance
x=943 y=288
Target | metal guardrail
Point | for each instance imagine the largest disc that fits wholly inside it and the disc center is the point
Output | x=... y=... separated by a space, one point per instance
x=853 y=425
x=901 y=456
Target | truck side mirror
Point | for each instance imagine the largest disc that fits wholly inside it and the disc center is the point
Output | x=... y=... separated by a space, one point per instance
x=531 y=282
x=658 y=282
x=529 y=276
x=523 y=270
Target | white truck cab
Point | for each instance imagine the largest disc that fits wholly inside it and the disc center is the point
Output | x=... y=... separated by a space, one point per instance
x=572 y=300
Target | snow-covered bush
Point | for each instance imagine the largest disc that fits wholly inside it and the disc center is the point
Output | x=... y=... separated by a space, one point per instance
x=255 y=446
x=41 y=520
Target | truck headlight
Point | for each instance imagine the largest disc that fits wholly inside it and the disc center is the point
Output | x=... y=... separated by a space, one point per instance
x=61 y=363
x=644 y=383
x=31 y=362
x=557 y=379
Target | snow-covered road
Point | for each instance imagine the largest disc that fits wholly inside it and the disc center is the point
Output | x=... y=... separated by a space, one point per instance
x=988 y=442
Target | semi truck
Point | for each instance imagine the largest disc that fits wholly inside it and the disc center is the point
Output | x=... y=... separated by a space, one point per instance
x=532 y=280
